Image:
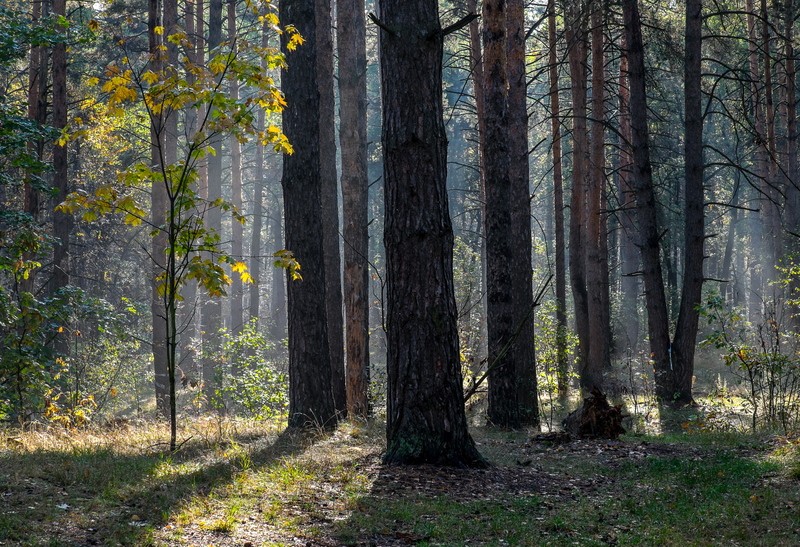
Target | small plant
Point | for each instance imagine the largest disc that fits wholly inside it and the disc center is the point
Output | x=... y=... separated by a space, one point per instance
x=763 y=358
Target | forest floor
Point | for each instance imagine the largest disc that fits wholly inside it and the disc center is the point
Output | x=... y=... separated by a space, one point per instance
x=248 y=484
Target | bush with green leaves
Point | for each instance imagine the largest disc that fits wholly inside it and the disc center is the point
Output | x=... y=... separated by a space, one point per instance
x=763 y=357
x=253 y=374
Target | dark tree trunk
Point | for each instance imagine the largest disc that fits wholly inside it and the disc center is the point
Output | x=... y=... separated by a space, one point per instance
x=310 y=398
x=520 y=268
x=591 y=370
x=642 y=183
x=330 y=203
x=577 y=53
x=558 y=207
x=62 y=222
x=426 y=422
x=685 y=340
x=503 y=403
x=351 y=42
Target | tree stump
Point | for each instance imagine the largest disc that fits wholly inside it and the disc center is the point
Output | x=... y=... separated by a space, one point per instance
x=595 y=418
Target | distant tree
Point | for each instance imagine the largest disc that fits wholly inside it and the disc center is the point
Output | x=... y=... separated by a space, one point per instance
x=426 y=421
x=330 y=203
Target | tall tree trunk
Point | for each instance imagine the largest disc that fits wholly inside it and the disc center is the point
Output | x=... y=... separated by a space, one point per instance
x=761 y=161
x=330 y=203
x=351 y=42
x=577 y=55
x=562 y=363
x=310 y=397
x=520 y=268
x=426 y=422
x=503 y=403
x=685 y=341
x=37 y=112
x=642 y=180
x=476 y=64
x=62 y=222
x=158 y=207
x=629 y=253
x=256 y=248
x=237 y=230
x=278 y=314
x=591 y=370
x=771 y=188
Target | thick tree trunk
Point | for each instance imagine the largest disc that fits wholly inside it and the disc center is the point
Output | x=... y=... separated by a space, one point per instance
x=426 y=422
x=310 y=397
x=330 y=203
x=351 y=42
x=503 y=403
x=685 y=340
x=237 y=230
x=591 y=370
x=577 y=54
x=520 y=268
x=562 y=363
x=642 y=182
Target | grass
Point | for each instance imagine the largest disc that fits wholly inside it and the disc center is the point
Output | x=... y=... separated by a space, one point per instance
x=234 y=483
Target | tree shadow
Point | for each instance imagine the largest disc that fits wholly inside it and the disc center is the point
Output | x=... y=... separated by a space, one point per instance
x=96 y=496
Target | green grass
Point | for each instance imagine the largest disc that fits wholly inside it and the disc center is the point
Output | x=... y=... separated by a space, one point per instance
x=252 y=483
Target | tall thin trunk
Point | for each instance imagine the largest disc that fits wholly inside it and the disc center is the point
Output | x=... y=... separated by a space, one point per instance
x=158 y=207
x=503 y=404
x=685 y=341
x=629 y=253
x=562 y=363
x=62 y=222
x=642 y=180
x=351 y=42
x=310 y=395
x=772 y=221
x=278 y=314
x=521 y=269
x=211 y=319
x=578 y=56
x=330 y=203
x=256 y=248
x=591 y=370
x=237 y=230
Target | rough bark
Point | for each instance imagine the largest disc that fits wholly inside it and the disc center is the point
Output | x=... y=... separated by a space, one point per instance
x=562 y=363
x=426 y=422
x=330 y=203
x=642 y=182
x=351 y=45
x=503 y=407
x=520 y=268
x=685 y=340
x=310 y=398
